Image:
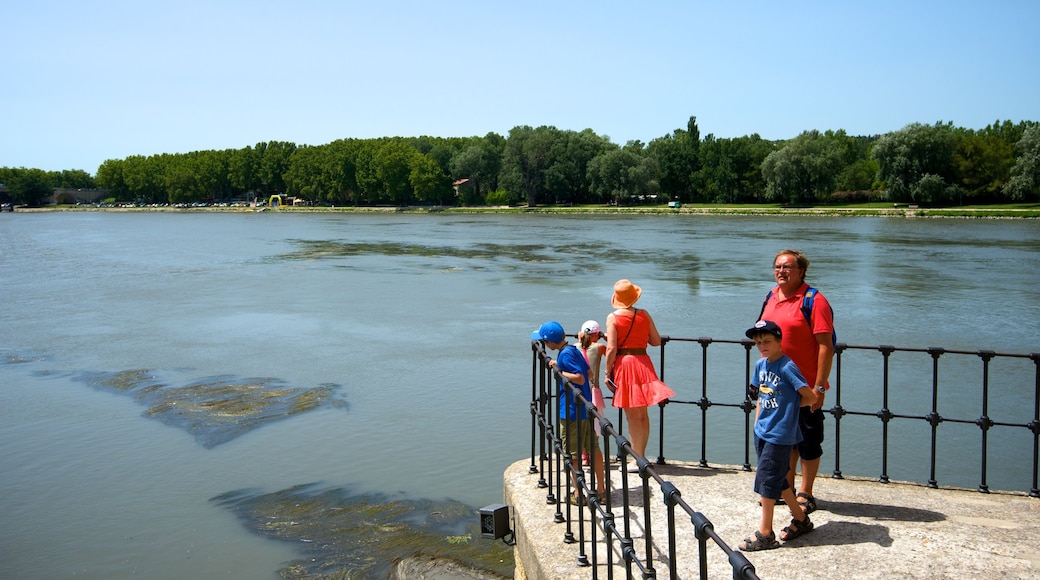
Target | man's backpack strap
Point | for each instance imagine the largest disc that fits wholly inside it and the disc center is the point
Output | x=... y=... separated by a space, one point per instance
x=807 y=304
x=764 y=302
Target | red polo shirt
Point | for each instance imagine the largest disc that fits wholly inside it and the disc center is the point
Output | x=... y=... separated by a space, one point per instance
x=799 y=339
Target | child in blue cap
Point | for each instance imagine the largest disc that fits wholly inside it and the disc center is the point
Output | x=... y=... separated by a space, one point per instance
x=574 y=420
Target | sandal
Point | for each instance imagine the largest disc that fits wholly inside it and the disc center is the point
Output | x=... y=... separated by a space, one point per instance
x=760 y=542
x=797 y=528
x=809 y=505
x=577 y=500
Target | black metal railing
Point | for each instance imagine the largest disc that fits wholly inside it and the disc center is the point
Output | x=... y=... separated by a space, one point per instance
x=547 y=447
x=884 y=389
x=546 y=444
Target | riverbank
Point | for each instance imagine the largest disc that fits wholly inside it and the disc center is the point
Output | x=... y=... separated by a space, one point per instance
x=1026 y=211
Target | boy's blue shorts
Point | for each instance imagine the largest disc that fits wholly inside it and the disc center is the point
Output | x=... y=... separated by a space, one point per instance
x=774 y=461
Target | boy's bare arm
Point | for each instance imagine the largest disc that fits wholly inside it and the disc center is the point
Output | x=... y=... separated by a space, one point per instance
x=808 y=396
x=576 y=378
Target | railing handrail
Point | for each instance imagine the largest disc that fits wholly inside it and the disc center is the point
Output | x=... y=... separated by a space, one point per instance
x=545 y=428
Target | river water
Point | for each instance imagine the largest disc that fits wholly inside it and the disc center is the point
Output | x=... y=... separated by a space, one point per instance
x=420 y=324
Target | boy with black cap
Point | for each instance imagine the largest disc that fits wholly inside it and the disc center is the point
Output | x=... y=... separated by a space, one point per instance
x=574 y=419
x=781 y=392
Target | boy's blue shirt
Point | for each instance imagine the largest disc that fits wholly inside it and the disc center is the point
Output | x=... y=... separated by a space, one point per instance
x=571 y=360
x=778 y=400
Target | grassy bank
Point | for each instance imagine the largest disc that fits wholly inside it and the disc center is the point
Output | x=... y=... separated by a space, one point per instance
x=1007 y=211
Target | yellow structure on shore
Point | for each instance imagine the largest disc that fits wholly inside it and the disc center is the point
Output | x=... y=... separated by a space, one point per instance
x=279 y=200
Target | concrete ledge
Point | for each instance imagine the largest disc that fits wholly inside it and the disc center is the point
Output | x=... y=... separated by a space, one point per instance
x=863 y=529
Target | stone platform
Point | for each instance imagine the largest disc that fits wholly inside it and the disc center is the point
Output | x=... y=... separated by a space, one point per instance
x=863 y=529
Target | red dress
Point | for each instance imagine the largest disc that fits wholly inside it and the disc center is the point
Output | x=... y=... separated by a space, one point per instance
x=634 y=374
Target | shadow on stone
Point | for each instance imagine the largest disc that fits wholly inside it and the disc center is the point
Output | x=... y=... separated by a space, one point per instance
x=882 y=512
x=844 y=533
x=674 y=470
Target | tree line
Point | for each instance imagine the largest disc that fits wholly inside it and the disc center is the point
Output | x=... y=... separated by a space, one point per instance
x=936 y=164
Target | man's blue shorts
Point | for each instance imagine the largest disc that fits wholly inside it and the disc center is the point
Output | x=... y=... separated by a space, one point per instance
x=774 y=461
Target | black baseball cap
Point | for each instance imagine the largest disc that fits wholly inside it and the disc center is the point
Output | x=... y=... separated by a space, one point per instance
x=764 y=326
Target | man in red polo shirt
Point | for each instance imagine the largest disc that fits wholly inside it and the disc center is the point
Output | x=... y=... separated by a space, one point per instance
x=811 y=347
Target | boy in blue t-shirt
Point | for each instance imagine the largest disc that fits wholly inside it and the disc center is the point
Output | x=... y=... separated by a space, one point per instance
x=575 y=368
x=781 y=392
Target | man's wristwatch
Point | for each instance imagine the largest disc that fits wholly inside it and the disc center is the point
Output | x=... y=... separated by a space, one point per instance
x=820 y=388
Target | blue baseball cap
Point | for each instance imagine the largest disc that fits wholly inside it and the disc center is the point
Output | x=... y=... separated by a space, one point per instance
x=550 y=331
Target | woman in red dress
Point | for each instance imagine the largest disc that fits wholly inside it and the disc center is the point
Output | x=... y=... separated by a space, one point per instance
x=630 y=372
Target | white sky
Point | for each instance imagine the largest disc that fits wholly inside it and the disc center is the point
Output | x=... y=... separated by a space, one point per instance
x=90 y=80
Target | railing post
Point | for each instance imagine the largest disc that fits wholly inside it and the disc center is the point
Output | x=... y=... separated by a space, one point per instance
x=1034 y=425
x=648 y=537
x=554 y=459
x=837 y=411
x=671 y=495
x=534 y=407
x=748 y=405
x=704 y=403
x=702 y=528
x=984 y=421
x=660 y=407
x=885 y=415
x=933 y=418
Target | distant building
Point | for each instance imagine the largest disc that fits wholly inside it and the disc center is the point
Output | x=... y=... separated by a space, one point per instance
x=69 y=196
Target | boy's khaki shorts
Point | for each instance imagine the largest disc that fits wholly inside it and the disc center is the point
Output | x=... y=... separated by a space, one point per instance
x=589 y=442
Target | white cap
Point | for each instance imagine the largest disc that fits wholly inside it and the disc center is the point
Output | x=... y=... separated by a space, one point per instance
x=590 y=326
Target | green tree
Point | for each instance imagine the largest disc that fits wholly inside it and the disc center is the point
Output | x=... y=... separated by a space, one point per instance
x=244 y=169
x=806 y=169
x=144 y=177
x=342 y=170
x=471 y=163
x=74 y=179
x=983 y=160
x=857 y=176
x=305 y=177
x=180 y=180
x=369 y=188
x=907 y=156
x=29 y=187
x=569 y=157
x=393 y=162
x=730 y=169
x=429 y=183
x=274 y=161
x=677 y=158
x=526 y=159
x=110 y=177
x=621 y=173
x=480 y=161
x=1024 y=182
x=213 y=174
x=495 y=146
